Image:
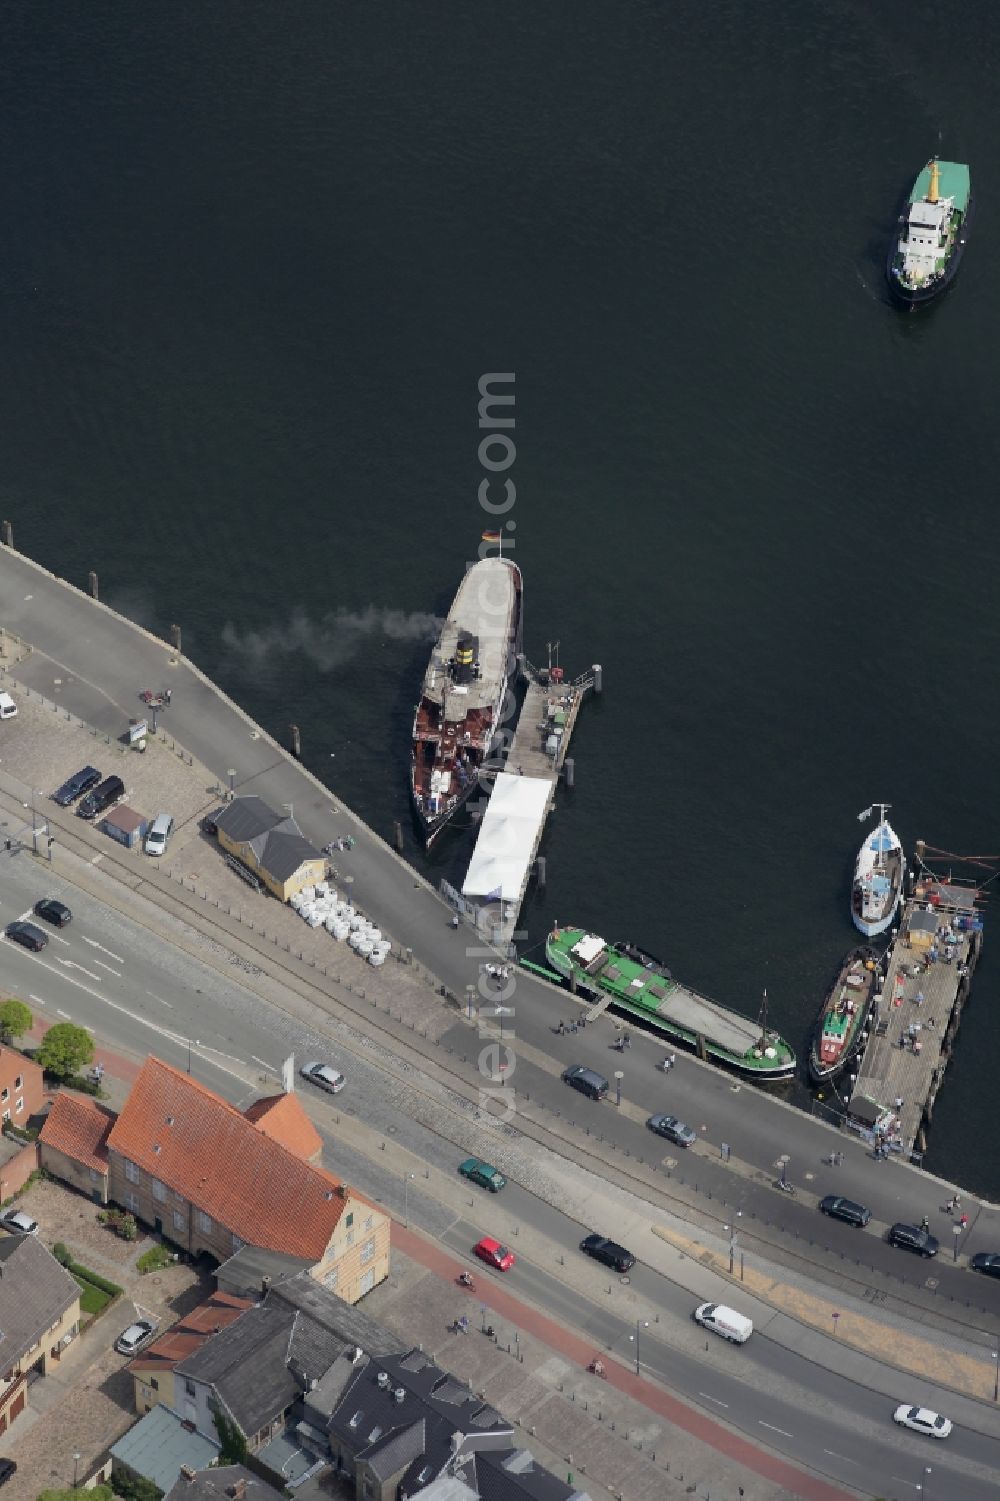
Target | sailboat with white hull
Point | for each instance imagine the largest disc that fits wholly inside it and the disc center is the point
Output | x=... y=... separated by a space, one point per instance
x=878 y=876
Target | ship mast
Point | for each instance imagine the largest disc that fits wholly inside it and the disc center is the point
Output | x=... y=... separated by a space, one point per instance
x=933 y=190
x=883 y=809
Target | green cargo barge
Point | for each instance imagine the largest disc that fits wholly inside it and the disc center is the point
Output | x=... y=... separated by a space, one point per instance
x=639 y=985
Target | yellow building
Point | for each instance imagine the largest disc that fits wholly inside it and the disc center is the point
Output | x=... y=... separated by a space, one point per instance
x=270 y=845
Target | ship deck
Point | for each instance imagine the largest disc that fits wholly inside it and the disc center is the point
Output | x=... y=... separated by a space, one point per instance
x=656 y=995
x=483 y=607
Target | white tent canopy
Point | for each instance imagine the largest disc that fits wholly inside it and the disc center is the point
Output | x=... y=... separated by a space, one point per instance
x=507 y=837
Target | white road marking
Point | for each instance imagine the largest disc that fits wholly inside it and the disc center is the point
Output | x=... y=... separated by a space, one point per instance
x=95 y=945
x=101 y=965
x=162 y=1002
x=55 y=938
x=716 y=1400
x=97 y=858
x=71 y=964
x=846 y=1458
x=137 y=1017
x=782 y=1431
x=36 y=998
x=263 y=1063
x=25 y=916
x=62 y=1013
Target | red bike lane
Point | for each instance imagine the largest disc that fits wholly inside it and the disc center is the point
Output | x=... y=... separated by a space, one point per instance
x=741 y=1450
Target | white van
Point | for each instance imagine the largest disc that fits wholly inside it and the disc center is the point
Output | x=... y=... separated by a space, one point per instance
x=160 y=831
x=725 y=1321
x=8 y=708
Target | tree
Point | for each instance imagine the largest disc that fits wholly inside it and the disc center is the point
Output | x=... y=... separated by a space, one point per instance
x=65 y=1049
x=134 y=1488
x=15 y=1020
x=234 y=1445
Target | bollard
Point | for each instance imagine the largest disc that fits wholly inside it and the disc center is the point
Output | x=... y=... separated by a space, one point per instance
x=540 y=872
x=296 y=740
x=569 y=772
x=397 y=829
x=175 y=638
x=7 y=534
x=598 y=678
x=92 y=583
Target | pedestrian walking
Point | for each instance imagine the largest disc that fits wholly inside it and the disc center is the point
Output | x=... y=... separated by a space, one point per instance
x=963 y=1220
x=169 y=695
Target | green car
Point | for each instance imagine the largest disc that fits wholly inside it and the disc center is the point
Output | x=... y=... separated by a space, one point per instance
x=483 y=1174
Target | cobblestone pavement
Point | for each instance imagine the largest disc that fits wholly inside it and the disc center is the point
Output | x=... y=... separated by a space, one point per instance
x=87 y=1402
x=574 y=1423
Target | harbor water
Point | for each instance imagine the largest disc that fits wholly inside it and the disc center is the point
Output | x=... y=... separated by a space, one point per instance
x=254 y=266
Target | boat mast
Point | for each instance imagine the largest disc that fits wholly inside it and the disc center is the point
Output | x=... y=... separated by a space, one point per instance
x=883 y=809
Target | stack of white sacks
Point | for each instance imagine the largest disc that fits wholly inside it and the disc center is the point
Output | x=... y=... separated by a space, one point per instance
x=320 y=906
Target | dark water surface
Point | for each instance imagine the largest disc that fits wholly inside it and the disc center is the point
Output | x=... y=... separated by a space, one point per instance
x=255 y=259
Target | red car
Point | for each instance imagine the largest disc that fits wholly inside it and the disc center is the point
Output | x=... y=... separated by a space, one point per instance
x=494 y=1254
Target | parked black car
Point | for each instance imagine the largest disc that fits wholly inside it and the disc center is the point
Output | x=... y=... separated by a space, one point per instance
x=587 y=1080
x=609 y=1252
x=27 y=935
x=914 y=1238
x=103 y=796
x=987 y=1262
x=57 y=913
x=847 y=1210
x=8 y=1467
x=79 y=783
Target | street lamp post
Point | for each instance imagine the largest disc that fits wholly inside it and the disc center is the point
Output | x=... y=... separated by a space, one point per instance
x=197 y=1043
x=957 y=1233
x=34 y=825
x=470 y=991
x=927 y=1471
x=619 y=1076
x=407 y=1180
x=639 y=1324
x=996 y=1375
x=76 y=1468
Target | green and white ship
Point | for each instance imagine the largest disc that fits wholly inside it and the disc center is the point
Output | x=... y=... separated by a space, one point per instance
x=930 y=237
x=639 y=985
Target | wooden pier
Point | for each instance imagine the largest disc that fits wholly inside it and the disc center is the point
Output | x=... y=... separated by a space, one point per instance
x=926 y=986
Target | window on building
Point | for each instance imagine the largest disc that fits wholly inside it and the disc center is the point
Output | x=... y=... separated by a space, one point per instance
x=349 y=1221
x=159 y=1190
x=369 y=1222
x=131 y=1171
x=95 y=1176
x=368 y=1250
x=367 y=1489
x=190 y=1389
x=154 y=1383
x=350 y=1237
x=179 y=1223
x=132 y=1202
x=330 y=1280
x=204 y=1221
x=6 y=1115
x=19 y=1082
x=19 y=1107
x=4 y=1094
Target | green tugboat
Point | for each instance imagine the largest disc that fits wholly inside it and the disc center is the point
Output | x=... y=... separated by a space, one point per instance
x=930 y=236
x=639 y=984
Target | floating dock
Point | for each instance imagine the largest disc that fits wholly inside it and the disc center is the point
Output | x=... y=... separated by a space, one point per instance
x=927 y=983
x=523 y=791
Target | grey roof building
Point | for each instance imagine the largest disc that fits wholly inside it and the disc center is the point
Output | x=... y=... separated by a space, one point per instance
x=400 y=1421
x=35 y=1293
x=251 y=1270
x=227 y=1483
x=275 y=840
x=511 y=1475
x=160 y=1445
x=259 y=1366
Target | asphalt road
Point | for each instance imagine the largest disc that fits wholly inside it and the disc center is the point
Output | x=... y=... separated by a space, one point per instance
x=105 y=972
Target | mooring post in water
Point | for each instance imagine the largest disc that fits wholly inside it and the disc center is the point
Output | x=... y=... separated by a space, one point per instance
x=92 y=584
x=175 y=638
x=397 y=832
x=7 y=534
x=540 y=872
x=598 y=678
x=296 y=738
x=569 y=771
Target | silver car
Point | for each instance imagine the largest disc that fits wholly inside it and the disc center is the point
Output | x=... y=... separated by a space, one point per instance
x=135 y=1336
x=673 y=1129
x=324 y=1076
x=19 y=1223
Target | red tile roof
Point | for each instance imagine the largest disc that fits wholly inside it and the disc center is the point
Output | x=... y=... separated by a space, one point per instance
x=190 y=1332
x=79 y=1129
x=282 y=1118
x=204 y=1149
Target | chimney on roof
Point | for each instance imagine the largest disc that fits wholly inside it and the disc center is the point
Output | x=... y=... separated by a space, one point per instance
x=457 y=1440
x=343 y=1190
x=237 y=1490
x=359 y=1354
x=187 y=1473
x=399 y=1394
x=265 y=1284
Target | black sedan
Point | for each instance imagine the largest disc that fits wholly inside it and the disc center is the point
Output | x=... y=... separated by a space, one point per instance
x=987 y=1262
x=57 y=913
x=79 y=783
x=608 y=1252
x=27 y=934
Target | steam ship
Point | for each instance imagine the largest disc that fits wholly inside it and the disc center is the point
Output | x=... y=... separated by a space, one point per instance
x=459 y=714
